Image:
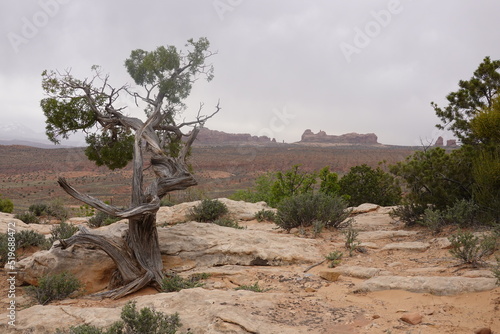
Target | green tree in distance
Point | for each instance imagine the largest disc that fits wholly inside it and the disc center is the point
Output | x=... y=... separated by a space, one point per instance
x=163 y=78
x=473 y=96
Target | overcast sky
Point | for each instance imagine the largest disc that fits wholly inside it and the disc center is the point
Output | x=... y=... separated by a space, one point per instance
x=282 y=66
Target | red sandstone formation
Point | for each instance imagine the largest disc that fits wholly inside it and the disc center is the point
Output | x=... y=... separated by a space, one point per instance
x=349 y=138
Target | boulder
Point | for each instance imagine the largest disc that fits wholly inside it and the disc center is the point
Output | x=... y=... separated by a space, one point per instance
x=92 y=267
x=213 y=245
x=412 y=318
x=437 y=285
x=7 y=220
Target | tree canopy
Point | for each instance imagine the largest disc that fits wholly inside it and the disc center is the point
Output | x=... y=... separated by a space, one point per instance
x=474 y=95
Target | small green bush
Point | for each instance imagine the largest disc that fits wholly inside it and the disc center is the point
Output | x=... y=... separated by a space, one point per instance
x=27 y=217
x=228 y=222
x=54 y=287
x=145 y=321
x=174 y=283
x=302 y=210
x=409 y=213
x=471 y=249
x=28 y=238
x=254 y=287
x=265 y=215
x=351 y=240
x=208 y=210
x=335 y=258
x=62 y=231
x=6 y=205
x=102 y=219
x=39 y=209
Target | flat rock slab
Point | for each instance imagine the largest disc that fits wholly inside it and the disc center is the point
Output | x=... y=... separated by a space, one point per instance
x=441 y=286
x=212 y=245
x=377 y=235
x=359 y=272
x=201 y=311
x=408 y=246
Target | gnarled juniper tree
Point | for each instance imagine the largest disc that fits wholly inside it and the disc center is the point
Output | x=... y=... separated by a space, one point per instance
x=164 y=77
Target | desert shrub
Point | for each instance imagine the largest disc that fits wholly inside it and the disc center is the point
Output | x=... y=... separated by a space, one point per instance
x=335 y=258
x=409 y=213
x=174 y=283
x=261 y=191
x=28 y=238
x=39 y=209
x=436 y=178
x=62 y=231
x=27 y=217
x=208 y=210
x=265 y=215
x=351 y=240
x=6 y=205
x=317 y=227
x=57 y=210
x=228 y=222
x=102 y=219
x=254 y=287
x=134 y=322
x=471 y=249
x=291 y=183
x=54 y=287
x=329 y=182
x=364 y=184
x=302 y=210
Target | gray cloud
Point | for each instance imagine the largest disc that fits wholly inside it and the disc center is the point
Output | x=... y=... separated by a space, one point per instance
x=273 y=56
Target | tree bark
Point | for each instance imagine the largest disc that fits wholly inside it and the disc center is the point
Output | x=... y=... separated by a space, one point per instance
x=138 y=260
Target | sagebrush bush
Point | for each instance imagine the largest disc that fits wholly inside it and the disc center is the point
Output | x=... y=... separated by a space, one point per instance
x=102 y=219
x=174 y=283
x=62 y=231
x=39 y=209
x=302 y=210
x=265 y=215
x=54 y=287
x=351 y=240
x=28 y=238
x=144 y=321
x=409 y=213
x=471 y=249
x=27 y=217
x=208 y=210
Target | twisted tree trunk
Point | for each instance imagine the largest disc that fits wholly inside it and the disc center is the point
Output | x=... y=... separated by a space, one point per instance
x=138 y=259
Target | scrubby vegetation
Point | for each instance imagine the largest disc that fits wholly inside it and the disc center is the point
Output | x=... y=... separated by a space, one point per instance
x=304 y=209
x=228 y=222
x=54 y=287
x=254 y=287
x=471 y=249
x=265 y=215
x=335 y=258
x=62 y=231
x=6 y=205
x=208 y=210
x=175 y=282
x=133 y=321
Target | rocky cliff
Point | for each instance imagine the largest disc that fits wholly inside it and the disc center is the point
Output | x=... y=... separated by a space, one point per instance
x=349 y=138
x=214 y=137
